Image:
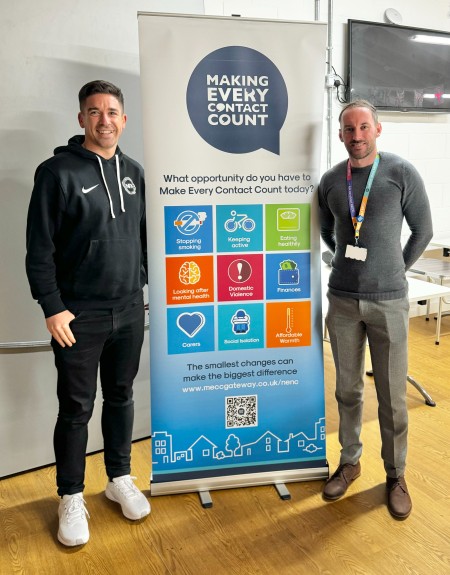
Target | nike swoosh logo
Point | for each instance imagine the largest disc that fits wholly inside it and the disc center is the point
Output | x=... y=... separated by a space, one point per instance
x=86 y=191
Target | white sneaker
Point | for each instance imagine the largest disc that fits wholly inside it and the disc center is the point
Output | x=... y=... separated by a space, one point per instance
x=133 y=502
x=73 y=525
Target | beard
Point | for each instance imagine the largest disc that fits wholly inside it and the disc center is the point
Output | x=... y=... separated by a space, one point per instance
x=360 y=153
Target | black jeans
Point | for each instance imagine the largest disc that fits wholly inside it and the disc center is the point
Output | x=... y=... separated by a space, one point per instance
x=111 y=339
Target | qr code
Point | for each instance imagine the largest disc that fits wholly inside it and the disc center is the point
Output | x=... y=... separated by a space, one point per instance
x=241 y=411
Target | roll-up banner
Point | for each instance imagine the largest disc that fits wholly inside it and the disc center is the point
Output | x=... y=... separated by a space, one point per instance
x=233 y=113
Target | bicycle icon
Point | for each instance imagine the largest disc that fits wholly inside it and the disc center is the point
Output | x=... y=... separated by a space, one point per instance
x=239 y=221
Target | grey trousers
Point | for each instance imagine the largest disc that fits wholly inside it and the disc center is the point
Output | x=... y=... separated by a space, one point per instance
x=385 y=325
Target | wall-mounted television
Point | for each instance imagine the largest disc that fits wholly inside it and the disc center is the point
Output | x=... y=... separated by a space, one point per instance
x=399 y=68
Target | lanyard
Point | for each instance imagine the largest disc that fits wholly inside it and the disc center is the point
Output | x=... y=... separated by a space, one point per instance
x=358 y=219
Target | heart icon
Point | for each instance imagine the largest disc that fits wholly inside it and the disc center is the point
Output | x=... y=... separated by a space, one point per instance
x=191 y=323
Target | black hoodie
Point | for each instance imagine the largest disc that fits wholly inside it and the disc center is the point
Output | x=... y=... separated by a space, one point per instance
x=86 y=234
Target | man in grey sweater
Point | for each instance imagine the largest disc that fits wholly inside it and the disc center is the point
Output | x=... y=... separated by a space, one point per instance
x=363 y=202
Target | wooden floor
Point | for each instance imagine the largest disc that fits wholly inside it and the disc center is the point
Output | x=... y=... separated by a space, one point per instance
x=252 y=531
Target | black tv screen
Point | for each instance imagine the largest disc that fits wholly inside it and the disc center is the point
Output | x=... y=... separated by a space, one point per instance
x=399 y=68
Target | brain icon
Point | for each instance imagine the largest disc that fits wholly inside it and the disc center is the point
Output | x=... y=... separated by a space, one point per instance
x=189 y=273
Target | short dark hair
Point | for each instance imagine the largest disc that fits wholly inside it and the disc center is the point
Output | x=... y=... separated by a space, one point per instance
x=100 y=87
x=360 y=104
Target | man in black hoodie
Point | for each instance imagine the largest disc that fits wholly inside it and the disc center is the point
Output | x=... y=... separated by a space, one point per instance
x=87 y=264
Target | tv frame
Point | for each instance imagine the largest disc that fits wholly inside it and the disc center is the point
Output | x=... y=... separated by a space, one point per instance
x=392 y=107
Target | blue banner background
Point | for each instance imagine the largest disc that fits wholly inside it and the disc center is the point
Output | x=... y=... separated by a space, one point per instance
x=236 y=379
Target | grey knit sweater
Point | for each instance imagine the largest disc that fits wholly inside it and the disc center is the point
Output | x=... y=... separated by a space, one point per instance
x=397 y=193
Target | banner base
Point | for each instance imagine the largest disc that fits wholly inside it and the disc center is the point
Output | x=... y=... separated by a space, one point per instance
x=235 y=481
x=283 y=491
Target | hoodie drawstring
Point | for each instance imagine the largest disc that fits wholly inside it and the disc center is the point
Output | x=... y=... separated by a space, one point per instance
x=107 y=189
x=119 y=183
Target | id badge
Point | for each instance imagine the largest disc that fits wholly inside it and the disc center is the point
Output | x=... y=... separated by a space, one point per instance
x=356 y=253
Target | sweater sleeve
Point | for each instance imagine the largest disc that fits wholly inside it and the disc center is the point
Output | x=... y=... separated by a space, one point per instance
x=327 y=223
x=416 y=209
x=43 y=221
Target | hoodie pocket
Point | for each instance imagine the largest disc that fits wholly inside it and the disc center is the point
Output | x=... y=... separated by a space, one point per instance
x=110 y=270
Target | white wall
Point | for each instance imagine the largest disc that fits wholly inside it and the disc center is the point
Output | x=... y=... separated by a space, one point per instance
x=50 y=49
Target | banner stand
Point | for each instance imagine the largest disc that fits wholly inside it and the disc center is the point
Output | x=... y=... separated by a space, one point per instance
x=232 y=143
x=207 y=502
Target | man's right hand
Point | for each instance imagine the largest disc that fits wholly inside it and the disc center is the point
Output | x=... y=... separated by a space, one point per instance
x=58 y=326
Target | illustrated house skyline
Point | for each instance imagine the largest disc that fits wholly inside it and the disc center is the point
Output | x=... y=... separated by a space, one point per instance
x=203 y=450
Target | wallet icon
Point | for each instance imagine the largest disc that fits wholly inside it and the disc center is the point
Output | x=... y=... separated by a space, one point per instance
x=288 y=277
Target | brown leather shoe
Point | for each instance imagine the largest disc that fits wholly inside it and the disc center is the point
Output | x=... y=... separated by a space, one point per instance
x=399 y=502
x=338 y=483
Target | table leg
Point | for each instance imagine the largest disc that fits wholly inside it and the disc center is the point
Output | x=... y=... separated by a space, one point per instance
x=439 y=318
x=428 y=399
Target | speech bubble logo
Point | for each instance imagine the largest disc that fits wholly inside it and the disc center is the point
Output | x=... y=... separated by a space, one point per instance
x=237 y=100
